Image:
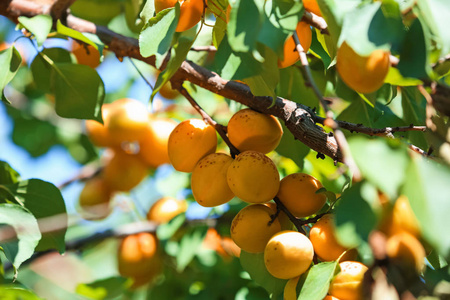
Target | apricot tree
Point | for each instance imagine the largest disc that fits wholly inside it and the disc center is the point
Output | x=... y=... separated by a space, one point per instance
x=283 y=148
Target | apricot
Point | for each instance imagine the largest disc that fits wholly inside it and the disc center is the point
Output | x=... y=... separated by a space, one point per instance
x=285 y=223
x=86 y=54
x=252 y=228
x=403 y=217
x=288 y=254
x=190 y=141
x=298 y=194
x=191 y=12
x=165 y=209
x=127 y=120
x=95 y=199
x=251 y=130
x=98 y=133
x=328 y=297
x=364 y=74
x=167 y=92
x=137 y=256
x=209 y=180
x=153 y=146
x=290 y=289
x=290 y=54
x=253 y=177
x=406 y=250
x=323 y=238
x=347 y=285
x=124 y=171
x=312 y=6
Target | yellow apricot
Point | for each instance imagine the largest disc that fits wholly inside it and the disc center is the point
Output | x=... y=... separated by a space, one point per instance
x=288 y=254
x=364 y=74
x=312 y=6
x=137 y=255
x=285 y=223
x=86 y=54
x=95 y=199
x=400 y=218
x=253 y=177
x=98 y=133
x=347 y=285
x=406 y=250
x=209 y=180
x=323 y=238
x=165 y=209
x=290 y=289
x=251 y=130
x=291 y=55
x=252 y=228
x=153 y=146
x=191 y=12
x=127 y=120
x=167 y=92
x=124 y=171
x=189 y=142
x=328 y=297
x=298 y=194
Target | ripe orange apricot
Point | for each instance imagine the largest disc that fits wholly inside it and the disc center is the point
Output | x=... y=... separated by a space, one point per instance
x=86 y=54
x=323 y=238
x=364 y=74
x=251 y=130
x=127 y=120
x=288 y=254
x=290 y=55
x=165 y=209
x=406 y=250
x=312 y=6
x=209 y=180
x=253 y=177
x=328 y=297
x=252 y=228
x=137 y=257
x=189 y=142
x=348 y=283
x=290 y=289
x=298 y=194
x=191 y=12
x=98 y=133
x=95 y=199
x=153 y=146
x=403 y=217
x=124 y=171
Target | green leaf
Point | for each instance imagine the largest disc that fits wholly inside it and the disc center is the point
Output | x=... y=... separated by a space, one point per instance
x=132 y=10
x=147 y=11
x=190 y=243
x=108 y=288
x=64 y=30
x=414 y=106
x=281 y=19
x=395 y=78
x=26 y=229
x=167 y=230
x=232 y=65
x=16 y=292
x=156 y=35
x=427 y=189
x=317 y=281
x=100 y=12
x=244 y=25
x=10 y=61
x=79 y=91
x=378 y=169
x=291 y=148
x=42 y=70
x=40 y=26
x=177 y=57
x=7 y=174
x=219 y=30
x=44 y=200
x=357 y=214
x=254 y=264
x=436 y=260
x=358 y=112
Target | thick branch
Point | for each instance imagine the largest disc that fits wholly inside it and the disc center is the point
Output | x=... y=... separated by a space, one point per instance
x=59 y=8
x=315 y=21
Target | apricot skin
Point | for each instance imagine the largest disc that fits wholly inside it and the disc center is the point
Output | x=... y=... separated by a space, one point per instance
x=153 y=146
x=189 y=142
x=400 y=218
x=406 y=250
x=363 y=74
x=191 y=12
x=209 y=180
x=98 y=133
x=312 y=6
x=251 y=130
x=298 y=194
x=165 y=209
x=250 y=228
x=253 y=177
x=347 y=285
x=95 y=199
x=323 y=238
x=288 y=254
x=291 y=56
x=290 y=289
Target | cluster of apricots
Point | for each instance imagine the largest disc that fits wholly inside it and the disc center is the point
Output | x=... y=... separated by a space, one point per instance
x=137 y=142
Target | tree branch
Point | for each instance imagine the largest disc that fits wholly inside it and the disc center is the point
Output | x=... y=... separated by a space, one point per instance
x=59 y=8
x=315 y=21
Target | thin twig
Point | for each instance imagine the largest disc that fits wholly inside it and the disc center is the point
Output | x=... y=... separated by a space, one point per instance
x=204 y=48
x=297 y=222
x=316 y=21
x=142 y=75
